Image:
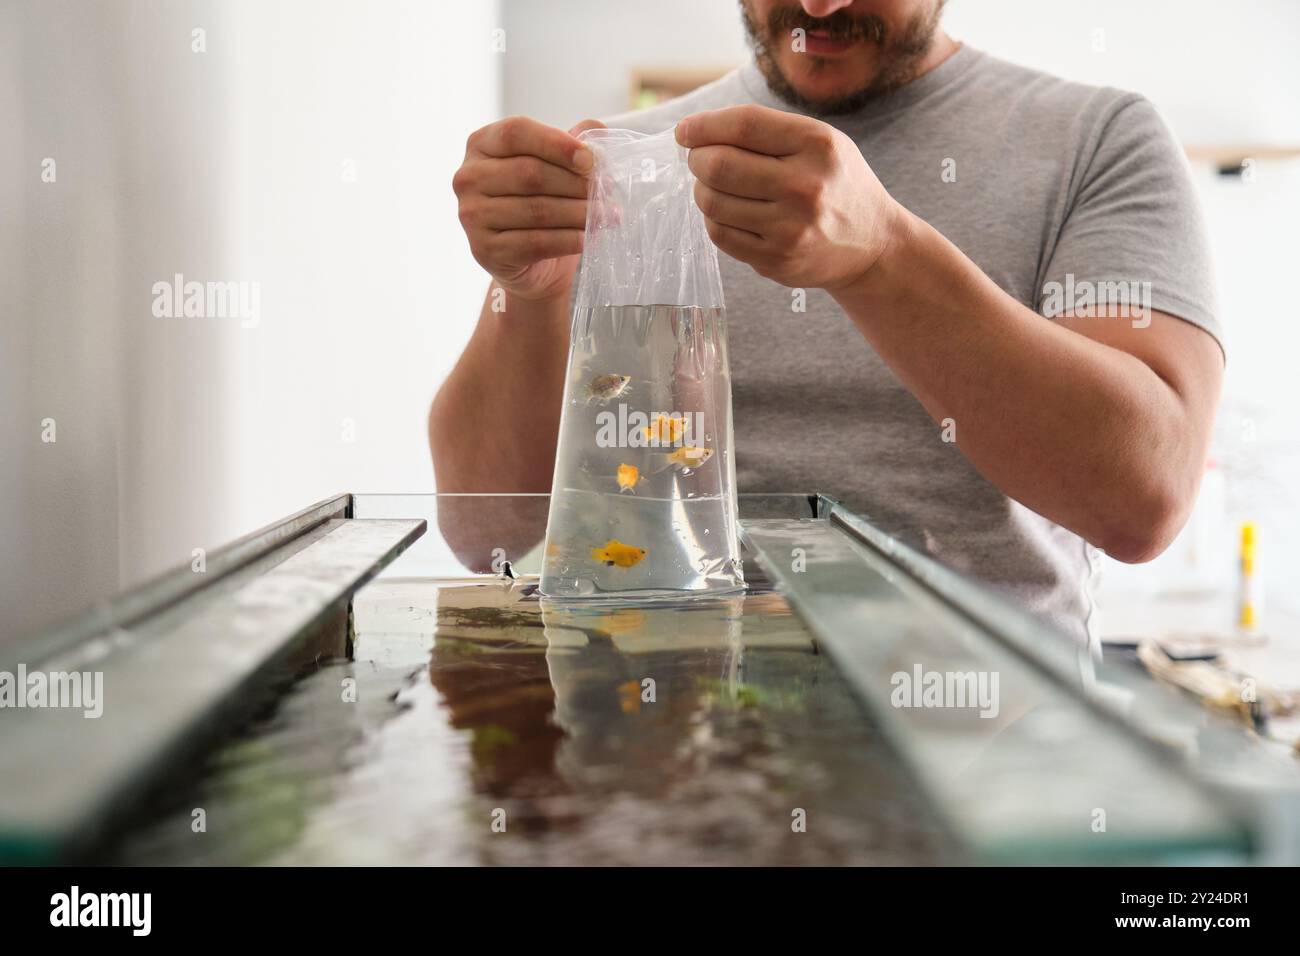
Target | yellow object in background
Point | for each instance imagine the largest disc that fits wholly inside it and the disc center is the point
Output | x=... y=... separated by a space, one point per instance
x=1248 y=592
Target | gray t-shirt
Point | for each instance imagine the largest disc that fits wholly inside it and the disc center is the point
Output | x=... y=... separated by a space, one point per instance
x=1037 y=180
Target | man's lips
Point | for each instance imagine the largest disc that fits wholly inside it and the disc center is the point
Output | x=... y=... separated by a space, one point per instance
x=821 y=43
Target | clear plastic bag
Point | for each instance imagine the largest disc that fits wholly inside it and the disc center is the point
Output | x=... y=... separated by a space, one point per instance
x=643 y=499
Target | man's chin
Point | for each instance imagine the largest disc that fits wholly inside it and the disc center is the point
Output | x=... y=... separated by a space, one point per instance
x=827 y=94
x=824 y=85
x=826 y=101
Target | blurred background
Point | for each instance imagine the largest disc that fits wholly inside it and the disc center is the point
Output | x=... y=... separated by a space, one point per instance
x=305 y=148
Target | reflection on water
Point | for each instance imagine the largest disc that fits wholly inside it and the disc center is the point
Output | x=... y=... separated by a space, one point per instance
x=477 y=725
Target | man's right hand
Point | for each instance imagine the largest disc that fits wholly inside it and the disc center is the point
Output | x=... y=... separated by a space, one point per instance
x=522 y=189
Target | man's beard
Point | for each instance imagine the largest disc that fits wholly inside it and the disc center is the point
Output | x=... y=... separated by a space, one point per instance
x=900 y=53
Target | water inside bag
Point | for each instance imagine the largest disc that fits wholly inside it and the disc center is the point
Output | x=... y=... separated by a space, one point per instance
x=648 y=468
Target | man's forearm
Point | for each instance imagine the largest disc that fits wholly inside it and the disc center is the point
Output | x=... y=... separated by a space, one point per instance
x=1085 y=434
x=493 y=424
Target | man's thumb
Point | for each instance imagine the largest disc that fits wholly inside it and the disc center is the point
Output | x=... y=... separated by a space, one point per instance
x=586 y=125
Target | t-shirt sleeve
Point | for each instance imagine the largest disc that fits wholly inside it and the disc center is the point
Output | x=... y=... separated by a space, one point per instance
x=1135 y=223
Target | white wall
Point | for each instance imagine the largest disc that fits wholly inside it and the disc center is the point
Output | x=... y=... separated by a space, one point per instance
x=1219 y=72
x=223 y=165
x=567 y=60
x=369 y=291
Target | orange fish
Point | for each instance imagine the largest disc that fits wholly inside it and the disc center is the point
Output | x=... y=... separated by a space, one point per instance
x=622 y=621
x=628 y=476
x=665 y=429
x=617 y=554
x=629 y=696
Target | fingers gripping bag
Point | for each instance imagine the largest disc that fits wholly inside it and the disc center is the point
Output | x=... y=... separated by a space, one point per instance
x=643 y=500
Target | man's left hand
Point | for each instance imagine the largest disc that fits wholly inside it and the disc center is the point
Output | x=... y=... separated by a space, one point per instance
x=789 y=195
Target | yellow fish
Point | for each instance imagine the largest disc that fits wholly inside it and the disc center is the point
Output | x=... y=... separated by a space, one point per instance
x=623 y=621
x=617 y=554
x=628 y=476
x=689 y=456
x=665 y=429
x=630 y=696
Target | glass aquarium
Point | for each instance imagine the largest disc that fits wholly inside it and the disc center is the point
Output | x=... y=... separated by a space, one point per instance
x=377 y=680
